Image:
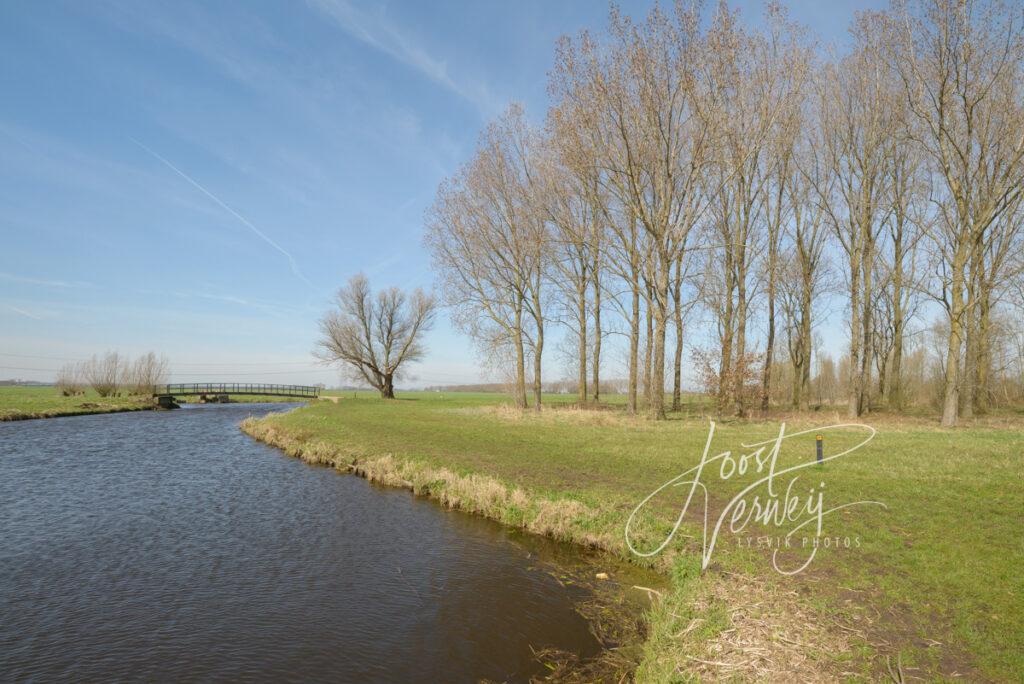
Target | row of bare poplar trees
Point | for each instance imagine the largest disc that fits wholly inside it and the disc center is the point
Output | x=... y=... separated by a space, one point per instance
x=112 y=374
x=742 y=174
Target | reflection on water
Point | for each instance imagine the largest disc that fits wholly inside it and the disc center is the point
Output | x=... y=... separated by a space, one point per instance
x=168 y=546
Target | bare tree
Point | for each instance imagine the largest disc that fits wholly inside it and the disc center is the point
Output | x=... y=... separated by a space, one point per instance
x=679 y=149
x=960 y=66
x=681 y=307
x=898 y=268
x=69 y=379
x=143 y=375
x=856 y=127
x=999 y=264
x=574 y=226
x=791 y=60
x=753 y=81
x=104 y=373
x=487 y=235
x=373 y=336
x=625 y=260
x=805 y=271
x=583 y=224
x=643 y=90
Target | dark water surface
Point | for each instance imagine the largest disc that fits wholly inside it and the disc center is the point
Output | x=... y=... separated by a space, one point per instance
x=168 y=546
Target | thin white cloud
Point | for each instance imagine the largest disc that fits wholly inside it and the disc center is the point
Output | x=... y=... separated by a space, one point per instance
x=379 y=32
x=27 y=314
x=229 y=299
x=27 y=280
x=248 y=224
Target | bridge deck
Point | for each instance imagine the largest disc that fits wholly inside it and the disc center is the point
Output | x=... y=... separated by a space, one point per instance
x=206 y=388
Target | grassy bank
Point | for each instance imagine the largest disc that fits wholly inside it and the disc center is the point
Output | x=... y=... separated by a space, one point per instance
x=21 y=403
x=931 y=588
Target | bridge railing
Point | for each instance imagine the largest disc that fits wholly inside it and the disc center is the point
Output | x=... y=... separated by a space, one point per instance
x=200 y=388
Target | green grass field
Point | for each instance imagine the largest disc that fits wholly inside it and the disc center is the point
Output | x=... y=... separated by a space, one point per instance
x=20 y=402
x=17 y=402
x=931 y=589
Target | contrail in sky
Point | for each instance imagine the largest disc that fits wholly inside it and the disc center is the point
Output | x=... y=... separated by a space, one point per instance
x=291 y=260
x=23 y=312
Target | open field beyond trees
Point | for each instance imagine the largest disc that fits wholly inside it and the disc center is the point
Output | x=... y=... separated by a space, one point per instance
x=18 y=402
x=929 y=588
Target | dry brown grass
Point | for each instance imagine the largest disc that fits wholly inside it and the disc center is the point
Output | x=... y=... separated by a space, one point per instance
x=560 y=414
x=562 y=519
x=771 y=635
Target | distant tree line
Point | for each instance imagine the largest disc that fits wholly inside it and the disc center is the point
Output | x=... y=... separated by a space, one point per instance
x=113 y=374
x=738 y=181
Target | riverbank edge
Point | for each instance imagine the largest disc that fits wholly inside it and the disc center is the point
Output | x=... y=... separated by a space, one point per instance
x=690 y=621
x=67 y=413
x=562 y=520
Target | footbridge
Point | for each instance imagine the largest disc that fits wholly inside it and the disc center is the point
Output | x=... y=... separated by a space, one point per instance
x=221 y=391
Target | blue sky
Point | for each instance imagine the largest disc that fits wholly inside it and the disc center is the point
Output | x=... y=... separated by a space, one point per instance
x=199 y=178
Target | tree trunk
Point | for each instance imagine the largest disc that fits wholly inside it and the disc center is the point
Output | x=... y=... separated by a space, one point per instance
x=581 y=314
x=677 y=315
x=520 y=390
x=895 y=397
x=951 y=392
x=538 y=352
x=387 y=388
x=807 y=346
x=725 y=365
x=596 y=364
x=896 y=372
x=984 y=357
x=537 y=378
x=883 y=365
x=855 y=376
x=661 y=295
x=648 y=347
x=867 y=329
x=769 y=351
x=967 y=386
x=740 y=368
x=634 y=348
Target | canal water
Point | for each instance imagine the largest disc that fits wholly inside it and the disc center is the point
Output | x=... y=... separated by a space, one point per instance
x=168 y=546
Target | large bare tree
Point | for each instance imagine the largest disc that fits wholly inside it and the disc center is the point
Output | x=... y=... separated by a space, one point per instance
x=856 y=127
x=643 y=89
x=372 y=336
x=960 y=64
x=805 y=268
x=489 y=241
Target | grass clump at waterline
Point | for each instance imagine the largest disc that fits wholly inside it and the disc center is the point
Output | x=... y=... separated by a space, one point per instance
x=19 y=402
x=928 y=591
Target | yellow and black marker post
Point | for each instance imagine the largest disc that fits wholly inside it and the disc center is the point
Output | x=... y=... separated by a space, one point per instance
x=817 y=441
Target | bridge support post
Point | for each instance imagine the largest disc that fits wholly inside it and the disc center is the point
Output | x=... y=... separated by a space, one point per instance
x=166 y=401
